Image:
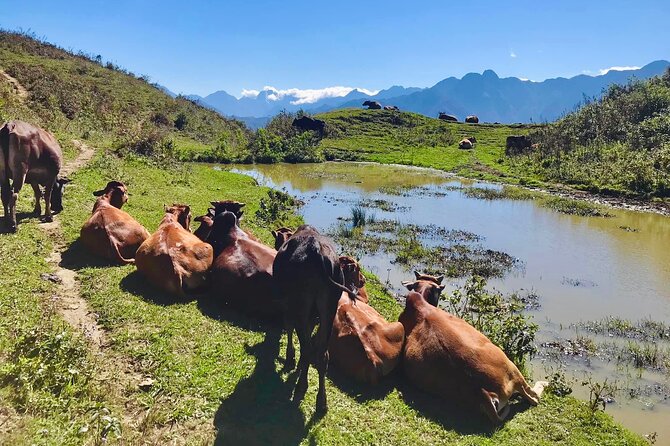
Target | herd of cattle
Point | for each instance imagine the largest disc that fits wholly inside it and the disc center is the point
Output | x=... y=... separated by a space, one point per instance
x=301 y=282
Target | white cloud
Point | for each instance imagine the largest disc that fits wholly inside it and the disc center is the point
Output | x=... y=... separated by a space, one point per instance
x=307 y=96
x=512 y=54
x=607 y=70
x=249 y=93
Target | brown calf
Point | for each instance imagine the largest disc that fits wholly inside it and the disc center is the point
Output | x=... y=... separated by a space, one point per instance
x=172 y=258
x=110 y=232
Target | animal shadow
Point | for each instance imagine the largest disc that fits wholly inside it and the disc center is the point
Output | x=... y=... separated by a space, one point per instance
x=260 y=410
x=360 y=391
x=135 y=283
x=77 y=257
x=452 y=415
x=211 y=305
x=20 y=218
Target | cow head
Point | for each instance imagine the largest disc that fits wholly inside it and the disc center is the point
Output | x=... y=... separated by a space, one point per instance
x=206 y=223
x=281 y=235
x=352 y=272
x=183 y=214
x=227 y=205
x=57 y=194
x=116 y=193
x=428 y=286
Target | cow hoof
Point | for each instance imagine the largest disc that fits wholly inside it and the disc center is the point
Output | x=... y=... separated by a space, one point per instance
x=13 y=229
x=321 y=409
x=47 y=219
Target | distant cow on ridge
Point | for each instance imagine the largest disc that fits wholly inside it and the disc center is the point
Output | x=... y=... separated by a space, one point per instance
x=516 y=144
x=472 y=119
x=307 y=123
x=447 y=117
x=372 y=105
x=391 y=107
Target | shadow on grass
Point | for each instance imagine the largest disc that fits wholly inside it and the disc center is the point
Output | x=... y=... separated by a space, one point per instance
x=360 y=391
x=21 y=217
x=260 y=410
x=453 y=416
x=77 y=257
x=135 y=283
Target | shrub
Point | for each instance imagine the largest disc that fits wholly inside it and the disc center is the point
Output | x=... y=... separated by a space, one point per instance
x=275 y=209
x=500 y=318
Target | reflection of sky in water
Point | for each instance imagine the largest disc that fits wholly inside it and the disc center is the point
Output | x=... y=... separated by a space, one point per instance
x=628 y=273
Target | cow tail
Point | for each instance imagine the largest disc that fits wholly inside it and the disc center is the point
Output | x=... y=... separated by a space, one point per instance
x=117 y=253
x=328 y=269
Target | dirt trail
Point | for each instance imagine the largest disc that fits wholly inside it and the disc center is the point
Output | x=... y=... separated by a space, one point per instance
x=69 y=303
x=20 y=90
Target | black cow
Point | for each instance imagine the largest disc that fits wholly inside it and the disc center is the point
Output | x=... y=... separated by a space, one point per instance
x=447 y=117
x=307 y=123
x=309 y=280
x=516 y=144
x=472 y=119
x=372 y=105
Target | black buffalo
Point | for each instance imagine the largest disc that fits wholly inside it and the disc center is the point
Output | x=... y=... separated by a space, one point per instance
x=516 y=144
x=447 y=117
x=372 y=105
x=306 y=123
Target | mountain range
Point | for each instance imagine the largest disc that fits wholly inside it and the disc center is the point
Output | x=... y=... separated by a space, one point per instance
x=491 y=98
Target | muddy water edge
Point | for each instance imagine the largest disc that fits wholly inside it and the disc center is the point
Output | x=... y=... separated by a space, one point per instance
x=600 y=287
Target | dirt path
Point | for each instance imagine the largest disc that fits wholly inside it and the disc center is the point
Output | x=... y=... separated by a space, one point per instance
x=20 y=90
x=69 y=303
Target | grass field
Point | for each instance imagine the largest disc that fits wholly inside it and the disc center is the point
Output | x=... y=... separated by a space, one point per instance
x=416 y=140
x=215 y=377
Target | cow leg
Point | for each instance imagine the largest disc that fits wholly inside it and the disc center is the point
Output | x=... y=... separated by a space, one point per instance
x=490 y=404
x=6 y=193
x=327 y=311
x=47 y=201
x=16 y=188
x=302 y=329
x=38 y=196
x=290 y=349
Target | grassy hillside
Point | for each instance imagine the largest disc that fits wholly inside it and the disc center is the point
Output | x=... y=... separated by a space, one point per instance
x=413 y=139
x=79 y=96
x=619 y=144
x=214 y=376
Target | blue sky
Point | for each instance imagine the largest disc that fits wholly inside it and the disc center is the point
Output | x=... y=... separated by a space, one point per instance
x=203 y=46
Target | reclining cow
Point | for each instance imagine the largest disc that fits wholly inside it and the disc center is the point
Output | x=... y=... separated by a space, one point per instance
x=241 y=274
x=30 y=155
x=446 y=356
x=363 y=345
x=110 y=232
x=172 y=258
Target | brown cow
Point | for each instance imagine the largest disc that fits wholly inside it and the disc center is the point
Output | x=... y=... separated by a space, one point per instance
x=280 y=236
x=205 y=228
x=29 y=155
x=172 y=258
x=465 y=144
x=363 y=344
x=309 y=279
x=242 y=270
x=110 y=232
x=428 y=286
x=446 y=356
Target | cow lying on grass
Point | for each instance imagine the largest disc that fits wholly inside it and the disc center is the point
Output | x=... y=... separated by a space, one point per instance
x=363 y=345
x=172 y=258
x=446 y=356
x=110 y=232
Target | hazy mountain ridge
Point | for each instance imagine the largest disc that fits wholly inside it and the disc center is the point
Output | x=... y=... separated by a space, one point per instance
x=486 y=95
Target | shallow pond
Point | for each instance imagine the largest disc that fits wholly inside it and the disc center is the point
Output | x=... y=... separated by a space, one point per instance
x=582 y=268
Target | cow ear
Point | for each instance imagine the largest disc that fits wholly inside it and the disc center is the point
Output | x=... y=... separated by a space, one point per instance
x=98 y=193
x=439 y=279
x=407 y=284
x=441 y=288
x=417 y=274
x=274 y=234
x=64 y=180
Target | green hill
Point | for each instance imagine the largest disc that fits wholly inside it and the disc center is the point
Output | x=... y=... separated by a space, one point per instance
x=79 y=96
x=412 y=139
x=619 y=144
